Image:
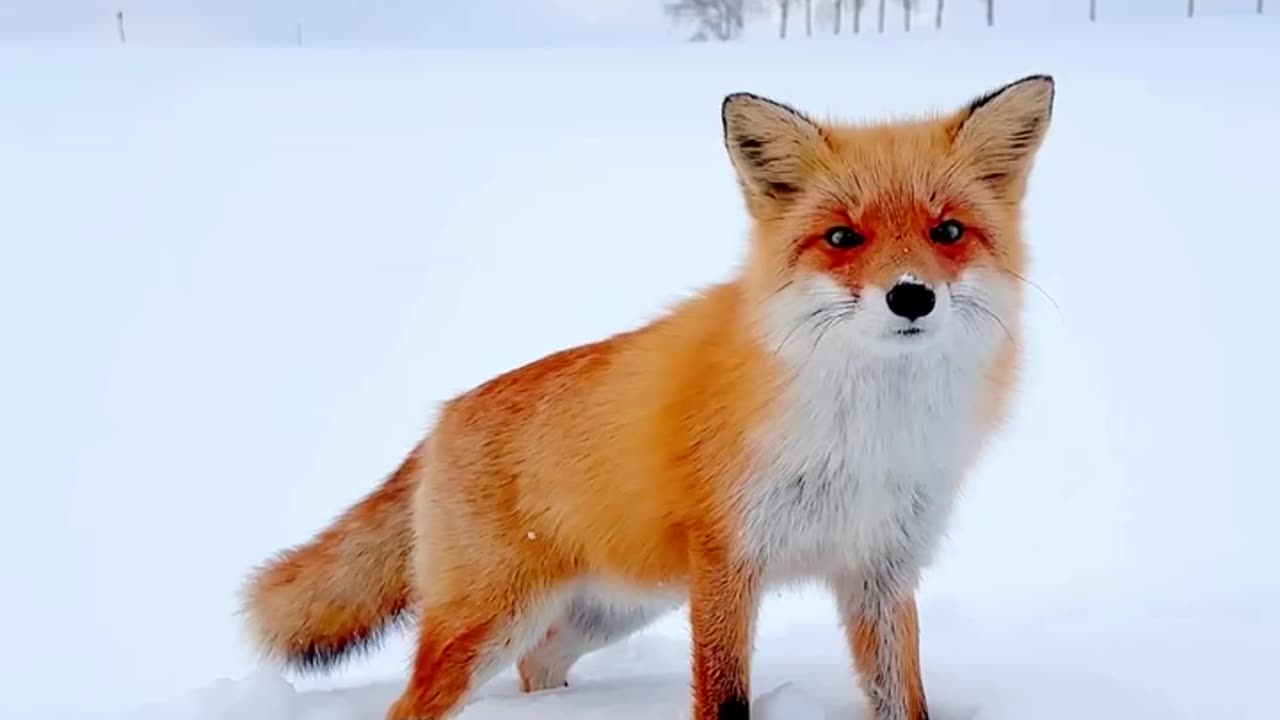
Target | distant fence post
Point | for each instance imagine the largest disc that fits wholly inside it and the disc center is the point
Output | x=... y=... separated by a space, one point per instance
x=120 y=25
x=1093 y=10
x=991 y=13
x=937 y=20
x=1191 y=8
x=298 y=34
x=1260 y=6
x=906 y=15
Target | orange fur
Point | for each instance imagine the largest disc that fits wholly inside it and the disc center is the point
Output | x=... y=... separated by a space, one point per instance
x=338 y=592
x=622 y=462
x=886 y=651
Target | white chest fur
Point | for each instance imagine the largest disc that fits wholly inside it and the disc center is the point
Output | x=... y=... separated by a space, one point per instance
x=859 y=470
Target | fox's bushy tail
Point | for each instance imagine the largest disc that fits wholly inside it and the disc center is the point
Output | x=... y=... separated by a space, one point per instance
x=312 y=605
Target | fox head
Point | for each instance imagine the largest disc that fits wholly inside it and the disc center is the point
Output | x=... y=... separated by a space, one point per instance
x=894 y=237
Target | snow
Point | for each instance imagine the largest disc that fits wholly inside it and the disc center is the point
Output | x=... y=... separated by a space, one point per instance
x=237 y=283
x=787 y=702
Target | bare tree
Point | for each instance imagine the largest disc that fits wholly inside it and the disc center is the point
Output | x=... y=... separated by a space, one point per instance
x=1260 y=7
x=808 y=17
x=937 y=19
x=991 y=13
x=829 y=14
x=1093 y=10
x=784 y=12
x=906 y=15
x=834 y=14
x=721 y=19
x=1191 y=8
x=835 y=11
x=120 y=25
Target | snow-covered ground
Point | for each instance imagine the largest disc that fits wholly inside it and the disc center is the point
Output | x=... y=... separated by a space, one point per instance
x=235 y=284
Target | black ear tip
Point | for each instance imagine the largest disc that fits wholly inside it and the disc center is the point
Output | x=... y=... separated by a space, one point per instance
x=1050 y=85
x=736 y=98
x=735 y=103
x=1044 y=80
x=751 y=103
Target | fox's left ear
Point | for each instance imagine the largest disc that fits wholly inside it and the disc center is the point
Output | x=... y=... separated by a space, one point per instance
x=1000 y=132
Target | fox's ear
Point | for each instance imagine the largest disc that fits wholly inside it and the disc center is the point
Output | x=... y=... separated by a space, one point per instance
x=774 y=148
x=1000 y=132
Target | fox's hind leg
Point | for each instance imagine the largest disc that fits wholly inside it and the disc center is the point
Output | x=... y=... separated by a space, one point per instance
x=481 y=602
x=464 y=640
x=591 y=620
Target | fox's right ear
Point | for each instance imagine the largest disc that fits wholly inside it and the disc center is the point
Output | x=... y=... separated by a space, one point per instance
x=773 y=147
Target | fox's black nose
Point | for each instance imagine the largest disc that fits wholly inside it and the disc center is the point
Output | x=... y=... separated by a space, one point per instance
x=910 y=300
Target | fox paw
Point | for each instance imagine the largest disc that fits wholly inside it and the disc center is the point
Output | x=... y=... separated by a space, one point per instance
x=536 y=678
x=411 y=708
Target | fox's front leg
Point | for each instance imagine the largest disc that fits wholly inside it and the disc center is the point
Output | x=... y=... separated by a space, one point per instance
x=883 y=630
x=722 y=608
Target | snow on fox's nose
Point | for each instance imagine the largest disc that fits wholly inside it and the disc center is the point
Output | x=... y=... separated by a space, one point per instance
x=911 y=297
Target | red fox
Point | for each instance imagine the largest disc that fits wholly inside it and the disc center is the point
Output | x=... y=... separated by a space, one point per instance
x=811 y=419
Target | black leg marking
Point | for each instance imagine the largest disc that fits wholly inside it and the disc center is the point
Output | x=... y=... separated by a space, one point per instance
x=735 y=708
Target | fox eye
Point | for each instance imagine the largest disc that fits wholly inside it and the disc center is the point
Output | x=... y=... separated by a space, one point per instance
x=843 y=237
x=947 y=232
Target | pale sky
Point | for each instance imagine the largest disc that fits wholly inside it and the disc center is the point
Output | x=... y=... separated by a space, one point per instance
x=351 y=22
x=451 y=23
